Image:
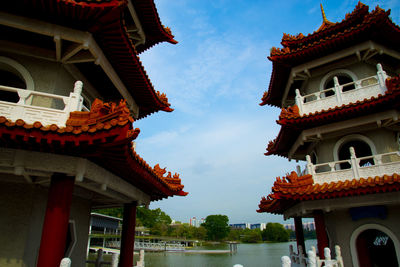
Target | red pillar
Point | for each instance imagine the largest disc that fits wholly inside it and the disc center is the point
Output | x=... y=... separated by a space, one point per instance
x=322 y=237
x=298 y=226
x=55 y=226
x=128 y=235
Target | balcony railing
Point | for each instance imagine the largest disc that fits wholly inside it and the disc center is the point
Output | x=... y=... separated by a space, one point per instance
x=336 y=96
x=354 y=168
x=32 y=106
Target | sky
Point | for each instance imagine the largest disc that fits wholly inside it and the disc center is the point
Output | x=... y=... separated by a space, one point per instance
x=214 y=78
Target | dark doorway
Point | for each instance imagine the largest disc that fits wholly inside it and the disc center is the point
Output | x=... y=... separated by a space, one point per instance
x=376 y=249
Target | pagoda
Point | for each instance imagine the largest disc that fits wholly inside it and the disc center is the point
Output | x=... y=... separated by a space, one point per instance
x=339 y=92
x=71 y=87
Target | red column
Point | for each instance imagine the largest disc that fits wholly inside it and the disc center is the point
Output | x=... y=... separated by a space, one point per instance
x=55 y=226
x=298 y=226
x=322 y=237
x=128 y=235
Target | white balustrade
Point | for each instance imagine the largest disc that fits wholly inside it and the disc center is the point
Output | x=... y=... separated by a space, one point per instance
x=354 y=168
x=363 y=89
x=312 y=260
x=30 y=111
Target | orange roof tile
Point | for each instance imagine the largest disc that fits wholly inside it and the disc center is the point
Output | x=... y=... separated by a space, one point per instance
x=104 y=135
x=292 y=189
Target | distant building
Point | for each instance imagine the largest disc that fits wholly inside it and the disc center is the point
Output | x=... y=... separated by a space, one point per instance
x=196 y=222
x=289 y=226
x=240 y=226
x=310 y=226
x=260 y=226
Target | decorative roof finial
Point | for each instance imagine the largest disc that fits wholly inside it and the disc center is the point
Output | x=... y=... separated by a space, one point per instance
x=323 y=14
x=325 y=23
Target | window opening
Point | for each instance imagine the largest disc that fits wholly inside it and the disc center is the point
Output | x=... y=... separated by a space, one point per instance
x=361 y=149
x=344 y=80
x=10 y=79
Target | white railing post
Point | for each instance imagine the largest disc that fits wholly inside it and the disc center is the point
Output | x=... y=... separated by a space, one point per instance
x=75 y=100
x=338 y=91
x=114 y=260
x=328 y=258
x=140 y=263
x=310 y=167
x=354 y=163
x=286 y=261
x=65 y=262
x=299 y=101
x=382 y=76
x=339 y=258
x=312 y=258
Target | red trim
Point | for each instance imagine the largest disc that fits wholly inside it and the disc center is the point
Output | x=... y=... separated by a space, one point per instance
x=128 y=235
x=151 y=23
x=320 y=228
x=55 y=226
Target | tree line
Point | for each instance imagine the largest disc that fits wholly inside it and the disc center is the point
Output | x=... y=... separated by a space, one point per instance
x=215 y=228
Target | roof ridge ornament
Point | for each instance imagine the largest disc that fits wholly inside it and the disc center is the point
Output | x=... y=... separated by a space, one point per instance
x=324 y=19
x=325 y=22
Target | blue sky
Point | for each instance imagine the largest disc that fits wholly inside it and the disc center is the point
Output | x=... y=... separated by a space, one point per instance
x=214 y=78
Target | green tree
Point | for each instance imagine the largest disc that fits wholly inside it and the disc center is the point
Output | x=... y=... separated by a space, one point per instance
x=217 y=226
x=275 y=232
x=200 y=233
x=251 y=236
x=235 y=234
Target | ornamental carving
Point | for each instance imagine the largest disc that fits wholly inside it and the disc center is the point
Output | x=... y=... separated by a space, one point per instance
x=163 y=97
x=289 y=113
x=292 y=180
x=101 y=113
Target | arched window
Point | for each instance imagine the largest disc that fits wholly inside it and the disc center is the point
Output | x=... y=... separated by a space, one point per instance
x=13 y=74
x=345 y=79
x=362 y=145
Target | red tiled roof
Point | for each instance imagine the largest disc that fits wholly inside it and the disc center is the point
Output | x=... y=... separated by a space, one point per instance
x=152 y=26
x=104 y=19
x=292 y=123
x=357 y=27
x=104 y=135
x=292 y=189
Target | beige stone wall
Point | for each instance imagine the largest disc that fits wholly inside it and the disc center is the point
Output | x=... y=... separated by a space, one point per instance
x=360 y=69
x=22 y=207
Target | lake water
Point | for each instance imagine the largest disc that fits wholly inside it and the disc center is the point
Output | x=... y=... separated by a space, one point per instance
x=248 y=255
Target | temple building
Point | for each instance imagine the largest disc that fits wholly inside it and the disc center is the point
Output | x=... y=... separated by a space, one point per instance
x=71 y=87
x=339 y=92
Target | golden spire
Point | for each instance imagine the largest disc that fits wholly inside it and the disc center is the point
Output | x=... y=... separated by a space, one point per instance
x=325 y=22
x=323 y=14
